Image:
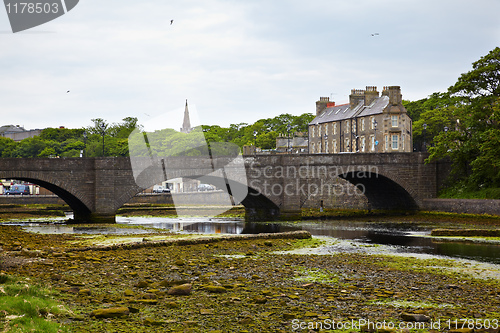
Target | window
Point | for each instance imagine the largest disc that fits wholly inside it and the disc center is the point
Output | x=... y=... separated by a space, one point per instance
x=362 y=124
x=362 y=144
x=394 y=121
x=386 y=141
x=334 y=128
x=347 y=145
x=312 y=132
x=394 y=142
x=372 y=123
x=313 y=147
x=319 y=147
x=403 y=142
x=319 y=131
x=326 y=147
x=347 y=126
x=335 y=146
x=326 y=129
x=354 y=126
x=372 y=143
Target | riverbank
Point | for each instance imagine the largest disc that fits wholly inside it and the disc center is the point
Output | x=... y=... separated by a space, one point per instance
x=243 y=285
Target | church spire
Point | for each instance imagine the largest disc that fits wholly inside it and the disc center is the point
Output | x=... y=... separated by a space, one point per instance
x=186 y=124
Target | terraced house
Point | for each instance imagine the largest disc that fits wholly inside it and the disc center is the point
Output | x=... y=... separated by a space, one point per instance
x=369 y=123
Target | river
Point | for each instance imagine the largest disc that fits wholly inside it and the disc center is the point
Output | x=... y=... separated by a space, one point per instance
x=340 y=236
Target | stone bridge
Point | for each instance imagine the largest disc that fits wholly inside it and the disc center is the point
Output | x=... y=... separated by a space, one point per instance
x=274 y=185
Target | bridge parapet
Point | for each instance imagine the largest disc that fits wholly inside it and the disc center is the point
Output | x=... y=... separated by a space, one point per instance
x=277 y=184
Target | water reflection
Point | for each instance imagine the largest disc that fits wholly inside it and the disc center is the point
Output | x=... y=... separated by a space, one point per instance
x=405 y=238
x=65 y=229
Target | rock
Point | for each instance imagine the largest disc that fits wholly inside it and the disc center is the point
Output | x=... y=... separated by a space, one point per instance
x=172 y=305
x=142 y=284
x=31 y=254
x=215 y=289
x=367 y=328
x=133 y=310
x=183 y=289
x=56 y=277
x=462 y=330
x=414 y=317
x=110 y=312
x=149 y=296
x=128 y=292
x=260 y=300
x=84 y=292
x=206 y=311
x=152 y=322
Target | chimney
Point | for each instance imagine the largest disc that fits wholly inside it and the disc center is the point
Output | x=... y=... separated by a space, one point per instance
x=371 y=94
x=322 y=104
x=356 y=96
x=394 y=93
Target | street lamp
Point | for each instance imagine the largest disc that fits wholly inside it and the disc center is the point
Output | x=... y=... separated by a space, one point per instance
x=446 y=128
x=254 y=143
x=288 y=128
x=103 y=131
x=425 y=127
x=375 y=128
x=85 y=143
x=325 y=137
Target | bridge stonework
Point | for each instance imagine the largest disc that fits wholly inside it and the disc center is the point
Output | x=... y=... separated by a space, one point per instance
x=278 y=185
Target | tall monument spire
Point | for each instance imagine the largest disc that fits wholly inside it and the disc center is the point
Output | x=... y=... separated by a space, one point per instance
x=186 y=124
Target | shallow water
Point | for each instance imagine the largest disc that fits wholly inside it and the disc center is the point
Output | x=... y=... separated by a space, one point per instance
x=343 y=236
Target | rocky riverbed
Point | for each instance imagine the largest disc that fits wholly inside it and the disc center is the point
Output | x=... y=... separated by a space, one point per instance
x=247 y=285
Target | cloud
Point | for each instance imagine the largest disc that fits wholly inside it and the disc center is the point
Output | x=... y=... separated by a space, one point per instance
x=238 y=62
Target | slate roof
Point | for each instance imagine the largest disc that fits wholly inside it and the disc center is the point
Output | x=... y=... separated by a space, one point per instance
x=343 y=112
x=11 y=129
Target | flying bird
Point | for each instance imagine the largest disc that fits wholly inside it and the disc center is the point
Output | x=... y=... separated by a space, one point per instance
x=375 y=34
x=67 y=92
x=171 y=22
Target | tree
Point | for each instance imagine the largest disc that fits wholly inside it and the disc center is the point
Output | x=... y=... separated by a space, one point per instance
x=473 y=144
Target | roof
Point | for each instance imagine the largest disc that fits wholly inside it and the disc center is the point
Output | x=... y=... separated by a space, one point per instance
x=342 y=112
x=11 y=129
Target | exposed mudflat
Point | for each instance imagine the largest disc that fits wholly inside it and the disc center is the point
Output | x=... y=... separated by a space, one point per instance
x=244 y=285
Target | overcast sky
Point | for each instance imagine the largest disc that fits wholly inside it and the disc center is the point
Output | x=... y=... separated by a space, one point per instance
x=237 y=61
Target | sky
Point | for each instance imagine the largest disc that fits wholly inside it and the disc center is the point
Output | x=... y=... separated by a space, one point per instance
x=234 y=61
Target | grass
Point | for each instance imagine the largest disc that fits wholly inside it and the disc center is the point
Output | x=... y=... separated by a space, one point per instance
x=26 y=307
x=461 y=191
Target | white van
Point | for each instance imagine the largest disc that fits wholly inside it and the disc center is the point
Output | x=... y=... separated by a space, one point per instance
x=160 y=189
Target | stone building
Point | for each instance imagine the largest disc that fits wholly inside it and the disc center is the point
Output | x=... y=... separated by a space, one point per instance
x=369 y=123
x=18 y=133
x=295 y=144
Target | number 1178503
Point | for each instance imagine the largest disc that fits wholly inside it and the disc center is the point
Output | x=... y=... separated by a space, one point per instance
x=32 y=8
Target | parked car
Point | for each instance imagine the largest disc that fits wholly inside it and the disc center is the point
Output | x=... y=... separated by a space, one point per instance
x=205 y=187
x=160 y=189
x=18 y=189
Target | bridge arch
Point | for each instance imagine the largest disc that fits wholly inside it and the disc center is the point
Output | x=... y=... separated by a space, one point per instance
x=74 y=200
x=381 y=191
x=258 y=206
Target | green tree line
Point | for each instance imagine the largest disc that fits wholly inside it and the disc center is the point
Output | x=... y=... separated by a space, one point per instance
x=65 y=142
